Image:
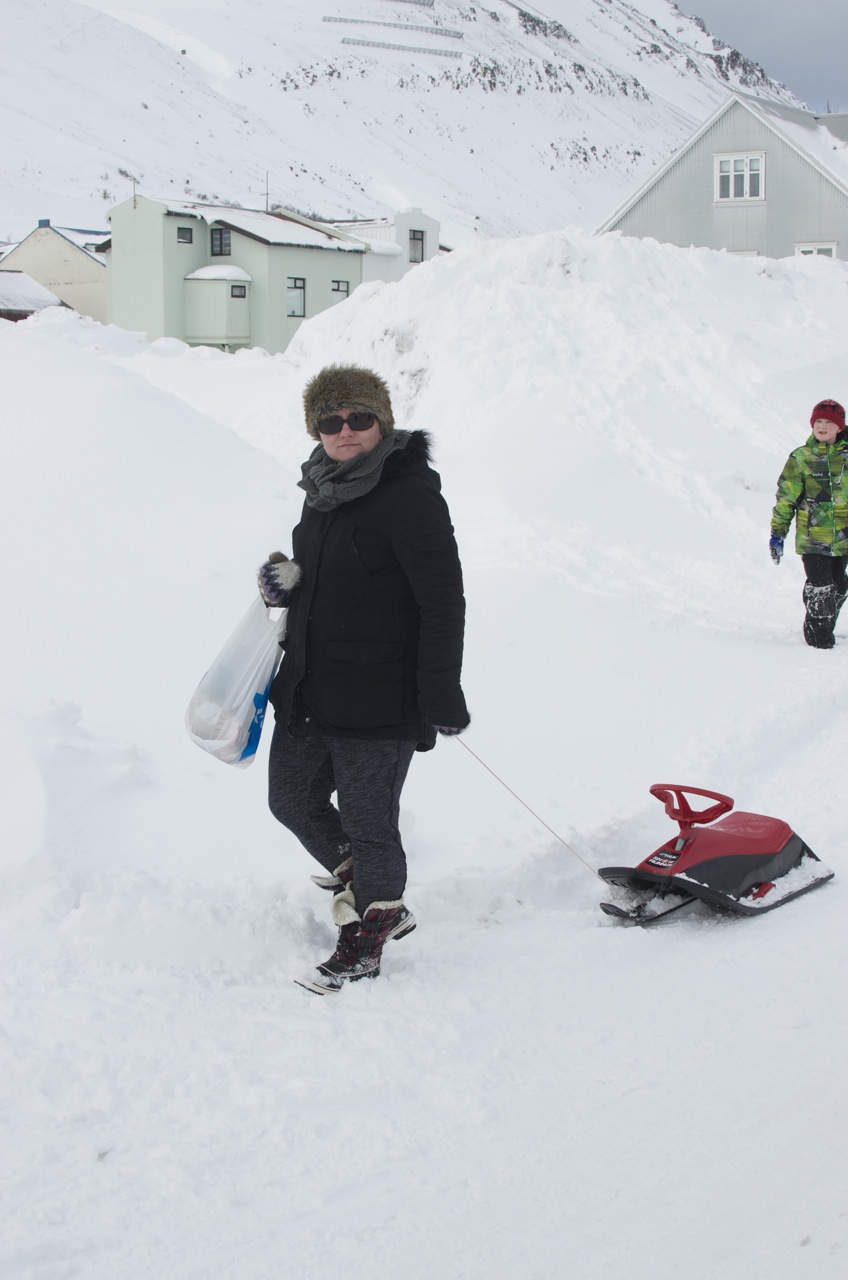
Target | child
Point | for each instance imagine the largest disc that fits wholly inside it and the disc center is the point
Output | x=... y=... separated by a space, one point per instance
x=813 y=487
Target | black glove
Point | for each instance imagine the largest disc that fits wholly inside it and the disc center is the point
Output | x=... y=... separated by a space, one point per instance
x=447 y=730
x=277 y=578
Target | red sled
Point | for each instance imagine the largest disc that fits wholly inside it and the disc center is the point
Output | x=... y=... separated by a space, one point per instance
x=746 y=863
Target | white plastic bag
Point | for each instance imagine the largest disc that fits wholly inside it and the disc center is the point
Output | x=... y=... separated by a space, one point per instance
x=227 y=709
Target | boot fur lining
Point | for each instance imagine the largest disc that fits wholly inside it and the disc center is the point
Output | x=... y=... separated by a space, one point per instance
x=344 y=909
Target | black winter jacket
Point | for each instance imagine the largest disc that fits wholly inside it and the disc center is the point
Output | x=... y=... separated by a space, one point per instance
x=374 y=633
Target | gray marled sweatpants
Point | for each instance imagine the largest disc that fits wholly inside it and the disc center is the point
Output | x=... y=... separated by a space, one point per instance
x=368 y=777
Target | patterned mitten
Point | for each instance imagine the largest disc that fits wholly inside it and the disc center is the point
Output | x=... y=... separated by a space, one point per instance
x=278 y=577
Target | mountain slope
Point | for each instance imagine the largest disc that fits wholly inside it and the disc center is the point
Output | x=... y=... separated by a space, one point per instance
x=497 y=119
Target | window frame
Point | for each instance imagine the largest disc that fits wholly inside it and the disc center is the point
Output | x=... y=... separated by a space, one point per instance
x=220 y=242
x=816 y=249
x=296 y=284
x=238 y=290
x=416 y=237
x=185 y=235
x=335 y=289
x=733 y=158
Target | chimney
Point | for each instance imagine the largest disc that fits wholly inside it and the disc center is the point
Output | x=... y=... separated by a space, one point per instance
x=44 y=222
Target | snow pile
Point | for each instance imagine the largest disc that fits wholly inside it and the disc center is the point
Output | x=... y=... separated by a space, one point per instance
x=609 y=418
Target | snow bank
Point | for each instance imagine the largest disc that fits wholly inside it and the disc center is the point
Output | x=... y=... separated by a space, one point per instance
x=609 y=418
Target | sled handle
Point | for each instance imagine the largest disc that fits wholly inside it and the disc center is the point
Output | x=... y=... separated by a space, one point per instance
x=679 y=810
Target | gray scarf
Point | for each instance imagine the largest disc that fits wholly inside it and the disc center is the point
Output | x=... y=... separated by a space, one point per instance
x=328 y=484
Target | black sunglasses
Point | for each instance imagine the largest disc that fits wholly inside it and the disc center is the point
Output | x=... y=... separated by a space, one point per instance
x=356 y=422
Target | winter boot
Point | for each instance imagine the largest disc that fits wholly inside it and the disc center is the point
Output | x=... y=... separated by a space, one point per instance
x=821 y=615
x=339 y=881
x=340 y=878
x=360 y=945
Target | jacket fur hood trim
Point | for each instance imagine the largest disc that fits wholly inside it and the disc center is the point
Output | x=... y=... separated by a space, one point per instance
x=347 y=386
x=419 y=448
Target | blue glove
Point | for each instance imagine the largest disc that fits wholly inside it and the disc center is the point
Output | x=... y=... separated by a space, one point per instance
x=278 y=577
x=776 y=547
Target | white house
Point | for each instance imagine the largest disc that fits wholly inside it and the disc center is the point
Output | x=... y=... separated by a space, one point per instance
x=214 y=275
x=413 y=232
x=756 y=178
x=65 y=261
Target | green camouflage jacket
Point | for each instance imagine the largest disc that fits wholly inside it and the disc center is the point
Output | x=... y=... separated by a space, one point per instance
x=813 y=487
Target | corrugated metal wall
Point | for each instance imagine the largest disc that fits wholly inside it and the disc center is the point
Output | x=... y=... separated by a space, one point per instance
x=800 y=205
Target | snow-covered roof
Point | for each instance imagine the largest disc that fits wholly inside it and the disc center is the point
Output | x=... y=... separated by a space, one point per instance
x=272 y=228
x=384 y=248
x=6 y=248
x=806 y=133
x=19 y=292
x=219 y=273
x=88 y=241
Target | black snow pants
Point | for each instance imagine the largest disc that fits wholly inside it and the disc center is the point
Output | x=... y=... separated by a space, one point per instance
x=824 y=595
x=367 y=776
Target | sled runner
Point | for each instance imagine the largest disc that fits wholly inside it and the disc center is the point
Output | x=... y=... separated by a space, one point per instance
x=746 y=863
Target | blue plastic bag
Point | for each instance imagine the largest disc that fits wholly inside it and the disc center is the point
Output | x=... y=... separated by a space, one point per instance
x=227 y=709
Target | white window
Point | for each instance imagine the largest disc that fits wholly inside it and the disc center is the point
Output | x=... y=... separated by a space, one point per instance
x=339 y=290
x=825 y=250
x=416 y=246
x=740 y=178
x=296 y=296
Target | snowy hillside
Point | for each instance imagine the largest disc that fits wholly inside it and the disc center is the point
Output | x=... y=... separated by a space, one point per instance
x=528 y=1090
x=497 y=119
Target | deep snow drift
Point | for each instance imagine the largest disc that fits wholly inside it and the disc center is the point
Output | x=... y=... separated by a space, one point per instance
x=528 y=1090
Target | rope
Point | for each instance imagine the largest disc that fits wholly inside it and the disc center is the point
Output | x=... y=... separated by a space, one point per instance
x=555 y=834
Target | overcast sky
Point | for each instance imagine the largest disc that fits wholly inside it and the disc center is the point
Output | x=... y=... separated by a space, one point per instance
x=804 y=44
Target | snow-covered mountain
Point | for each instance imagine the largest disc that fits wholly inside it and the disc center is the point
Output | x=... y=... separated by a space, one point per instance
x=498 y=119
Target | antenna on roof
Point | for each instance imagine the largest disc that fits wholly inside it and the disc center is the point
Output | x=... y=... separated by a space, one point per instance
x=266 y=190
x=135 y=202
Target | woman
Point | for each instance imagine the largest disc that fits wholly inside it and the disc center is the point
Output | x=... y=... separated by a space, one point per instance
x=372 y=656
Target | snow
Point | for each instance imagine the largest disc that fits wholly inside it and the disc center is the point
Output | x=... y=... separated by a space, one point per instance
x=528 y=1089
x=19 y=292
x=528 y=130
x=219 y=273
x=88 y=241
x=808 y=135
x=273 y=228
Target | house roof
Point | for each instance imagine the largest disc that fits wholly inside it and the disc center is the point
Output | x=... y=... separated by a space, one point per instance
x=270 y=228
x=825 y=148
x=86 y=241
x=19 y=292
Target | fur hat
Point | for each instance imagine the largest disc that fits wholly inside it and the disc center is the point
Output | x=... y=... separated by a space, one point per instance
x=347 y=387
x=831 y=411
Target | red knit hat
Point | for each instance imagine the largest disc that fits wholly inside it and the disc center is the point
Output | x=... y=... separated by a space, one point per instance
x=831 y=411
